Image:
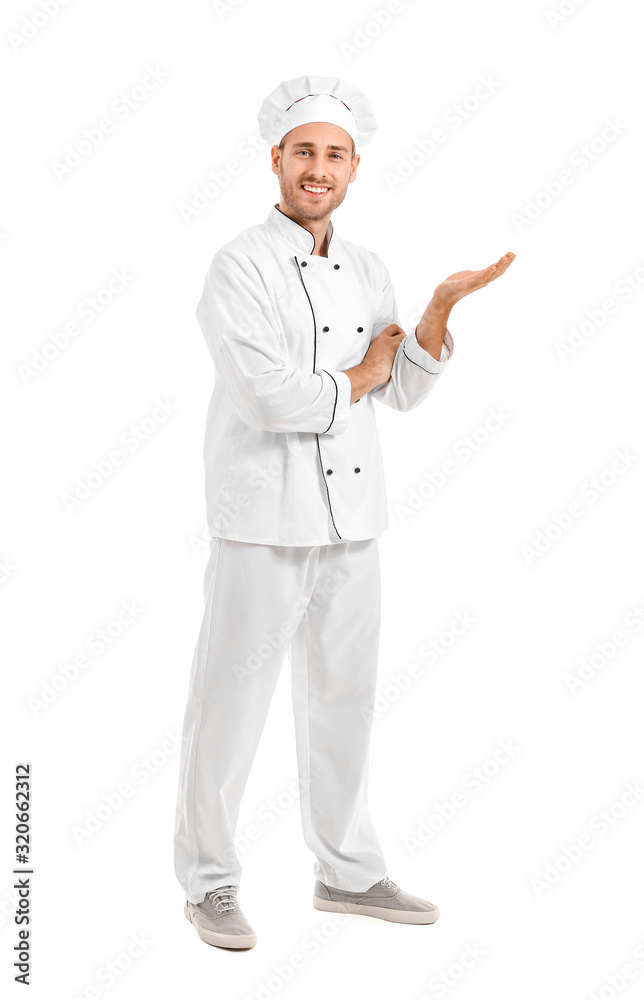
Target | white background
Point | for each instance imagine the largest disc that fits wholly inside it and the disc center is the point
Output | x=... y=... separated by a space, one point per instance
x=140 y=536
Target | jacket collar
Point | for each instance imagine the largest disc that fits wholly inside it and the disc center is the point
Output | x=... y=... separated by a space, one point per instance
x=297 y=237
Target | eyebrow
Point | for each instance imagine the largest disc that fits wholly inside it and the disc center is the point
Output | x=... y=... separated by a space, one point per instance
x=311 y=145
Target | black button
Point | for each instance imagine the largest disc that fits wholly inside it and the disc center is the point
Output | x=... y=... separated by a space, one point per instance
x=329 y=471
x=303 y=263
x=356 y=470
x=325 y=329
x=336 y=266
x=359 y=329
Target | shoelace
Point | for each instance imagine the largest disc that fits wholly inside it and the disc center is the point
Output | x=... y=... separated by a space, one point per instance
x=388 y=883
x=223 y=899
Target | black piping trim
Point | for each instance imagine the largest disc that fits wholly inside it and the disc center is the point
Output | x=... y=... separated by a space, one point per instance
x=315 y=341
x=304 y=230
x=315 y=330
x=317 y=438
x=415 y=362
x=334 y=401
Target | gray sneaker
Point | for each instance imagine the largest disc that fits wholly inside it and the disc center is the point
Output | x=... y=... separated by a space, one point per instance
x=219 y=921
x=384 y=899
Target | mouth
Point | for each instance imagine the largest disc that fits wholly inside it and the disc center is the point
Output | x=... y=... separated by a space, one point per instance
x=316 y=191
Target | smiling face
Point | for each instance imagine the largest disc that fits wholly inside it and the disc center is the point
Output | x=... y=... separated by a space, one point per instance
x=315 y=165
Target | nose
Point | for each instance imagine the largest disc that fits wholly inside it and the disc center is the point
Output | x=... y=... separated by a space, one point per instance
x=318 y=163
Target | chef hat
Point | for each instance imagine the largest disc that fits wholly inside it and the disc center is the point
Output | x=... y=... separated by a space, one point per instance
x=316 y=99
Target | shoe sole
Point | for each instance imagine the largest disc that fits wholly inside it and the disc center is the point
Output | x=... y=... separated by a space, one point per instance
x=220 y=940
x=383 y=912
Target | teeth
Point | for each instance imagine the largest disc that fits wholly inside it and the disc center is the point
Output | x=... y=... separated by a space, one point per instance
x=315 y=190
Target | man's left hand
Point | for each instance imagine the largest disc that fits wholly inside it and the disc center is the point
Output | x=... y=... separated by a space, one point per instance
x=463 y=282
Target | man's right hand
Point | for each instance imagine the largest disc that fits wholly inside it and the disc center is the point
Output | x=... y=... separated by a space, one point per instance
x=375 y=367
x=382 y=351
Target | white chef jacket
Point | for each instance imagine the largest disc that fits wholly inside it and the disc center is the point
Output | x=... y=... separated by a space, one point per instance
x=288 y=459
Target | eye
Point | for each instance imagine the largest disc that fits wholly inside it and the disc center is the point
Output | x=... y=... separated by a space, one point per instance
x=337 y=155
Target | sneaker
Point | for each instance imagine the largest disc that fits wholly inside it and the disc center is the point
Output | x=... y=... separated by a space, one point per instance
x=219 y=921
x=384 y=899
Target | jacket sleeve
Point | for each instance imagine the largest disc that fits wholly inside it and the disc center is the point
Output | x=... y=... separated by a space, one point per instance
x=250 y=355
x=415 y=372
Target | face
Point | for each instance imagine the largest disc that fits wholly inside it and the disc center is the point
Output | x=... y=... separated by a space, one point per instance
x=317 y=154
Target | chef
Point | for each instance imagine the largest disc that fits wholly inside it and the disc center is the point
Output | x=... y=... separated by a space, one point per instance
x=303 y=330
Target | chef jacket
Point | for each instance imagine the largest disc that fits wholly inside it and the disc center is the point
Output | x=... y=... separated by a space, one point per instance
x=289 y=460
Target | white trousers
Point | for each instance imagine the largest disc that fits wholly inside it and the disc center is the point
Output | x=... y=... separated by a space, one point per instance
x=324 y=602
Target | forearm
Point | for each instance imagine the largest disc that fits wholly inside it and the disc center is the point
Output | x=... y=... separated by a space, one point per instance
x=363 y=379
x=430 y=331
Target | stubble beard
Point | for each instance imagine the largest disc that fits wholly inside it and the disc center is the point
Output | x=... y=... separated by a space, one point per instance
x=298 y=203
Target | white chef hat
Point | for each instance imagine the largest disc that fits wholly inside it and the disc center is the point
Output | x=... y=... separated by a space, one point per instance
x=316 y=99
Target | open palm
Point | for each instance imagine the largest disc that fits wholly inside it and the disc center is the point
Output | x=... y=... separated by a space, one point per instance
x=461 y=283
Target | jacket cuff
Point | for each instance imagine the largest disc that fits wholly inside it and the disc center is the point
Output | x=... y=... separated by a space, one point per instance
x=419 y=356
x=340 y=401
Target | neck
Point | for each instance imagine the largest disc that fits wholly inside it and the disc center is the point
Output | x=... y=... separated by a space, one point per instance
x=316 y=227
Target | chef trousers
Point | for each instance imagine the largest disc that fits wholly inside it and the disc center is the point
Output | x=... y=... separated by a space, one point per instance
x=322 y=602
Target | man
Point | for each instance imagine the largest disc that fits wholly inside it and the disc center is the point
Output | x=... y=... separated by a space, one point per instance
x=302 y=327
